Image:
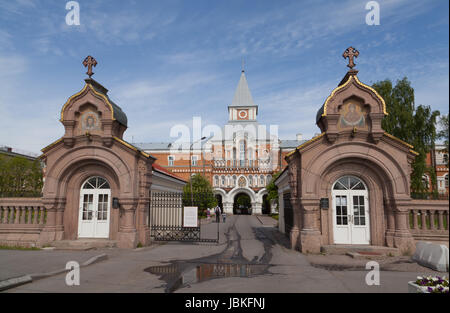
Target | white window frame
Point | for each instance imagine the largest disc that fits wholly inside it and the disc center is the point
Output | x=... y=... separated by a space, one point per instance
x=194 y=157
x=171 y=160
x=216 y=181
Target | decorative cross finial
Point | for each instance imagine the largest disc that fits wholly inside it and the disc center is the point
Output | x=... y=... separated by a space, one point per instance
x=351 y=53
x=89 y=62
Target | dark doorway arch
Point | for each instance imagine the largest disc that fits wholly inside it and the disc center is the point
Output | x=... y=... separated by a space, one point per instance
x=265 y=205
x=219 y=201
x=242 y=204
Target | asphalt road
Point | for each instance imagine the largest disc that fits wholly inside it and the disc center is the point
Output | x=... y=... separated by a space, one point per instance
x=251 y=257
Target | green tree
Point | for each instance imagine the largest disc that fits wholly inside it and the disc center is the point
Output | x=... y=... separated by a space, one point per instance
x=243 y=200
x=4 y=176
x=20 y=177
x=202 y=194
x=272 y=189
x=415 y=125
x=443 y=133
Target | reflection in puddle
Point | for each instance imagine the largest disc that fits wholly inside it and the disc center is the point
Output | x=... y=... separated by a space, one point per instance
x=228 y=263
x=177 y=277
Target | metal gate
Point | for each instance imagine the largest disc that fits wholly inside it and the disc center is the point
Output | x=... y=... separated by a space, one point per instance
x=166 y=217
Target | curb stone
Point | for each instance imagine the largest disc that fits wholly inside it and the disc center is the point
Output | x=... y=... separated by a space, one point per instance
x=14 y=282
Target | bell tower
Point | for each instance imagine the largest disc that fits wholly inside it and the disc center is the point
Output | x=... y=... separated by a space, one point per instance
x=242 y=108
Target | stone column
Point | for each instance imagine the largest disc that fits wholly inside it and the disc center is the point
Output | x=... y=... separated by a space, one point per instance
x=403 y=240
x=228 y=207
x=59 y=219
x=256 y=208
x=48 y=233
x=294 y=234
x=128 y=236
x=310 y=241
x=281 y=222
x=273 y=205
x=390 y=221
x=143 y=215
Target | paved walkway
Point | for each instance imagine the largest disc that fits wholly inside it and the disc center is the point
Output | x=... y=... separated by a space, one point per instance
x=15 y=263
x=250 y=257
x=267 y=220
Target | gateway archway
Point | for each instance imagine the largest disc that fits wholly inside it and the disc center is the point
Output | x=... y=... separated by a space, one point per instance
x=95 y=208
x=350 y=211
x=242 y=204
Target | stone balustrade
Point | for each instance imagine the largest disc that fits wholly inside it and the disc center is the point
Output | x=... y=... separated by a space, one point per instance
x=244 y=164
x=20 y=211
x=21 y=221
x=428 y=219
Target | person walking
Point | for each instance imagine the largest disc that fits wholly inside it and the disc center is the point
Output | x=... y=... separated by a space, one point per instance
x=217 y=212
x=208 y=214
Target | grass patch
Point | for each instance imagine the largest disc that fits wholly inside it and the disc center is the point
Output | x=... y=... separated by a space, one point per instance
x=18 y=248
x=274 y=216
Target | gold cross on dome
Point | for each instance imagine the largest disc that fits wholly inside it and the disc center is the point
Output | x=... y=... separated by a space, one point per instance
x=89 y=62
x=351 y=53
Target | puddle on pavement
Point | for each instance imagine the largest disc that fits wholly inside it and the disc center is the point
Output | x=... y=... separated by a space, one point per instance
x=179 y=275
x=228 y=263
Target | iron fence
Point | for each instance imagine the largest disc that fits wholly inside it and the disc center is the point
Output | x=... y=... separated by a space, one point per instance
x=166 y=216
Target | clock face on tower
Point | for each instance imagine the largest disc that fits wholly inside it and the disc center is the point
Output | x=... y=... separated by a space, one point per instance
x=242 y=114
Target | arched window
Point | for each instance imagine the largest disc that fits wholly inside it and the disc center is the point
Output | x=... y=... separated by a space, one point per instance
x=223 y=181
x=261 y=180
x=250 y=157
x=349 y=183
x=96 y=183
x=250 y=180
x=242 y=150
x=269 y=178
x=234 y=181
x=216 y=181
x=446 y=180
x=234 y=157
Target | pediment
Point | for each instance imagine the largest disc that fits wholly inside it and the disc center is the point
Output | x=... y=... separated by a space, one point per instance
x=87 y=99
x=353 y=88
x=352 y=106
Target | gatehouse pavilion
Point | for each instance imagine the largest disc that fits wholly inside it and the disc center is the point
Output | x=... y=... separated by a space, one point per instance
x=349 y=185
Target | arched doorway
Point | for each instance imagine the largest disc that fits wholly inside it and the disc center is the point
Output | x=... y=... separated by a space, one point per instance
x=265 y=205
x=242 y=204
x=94 y=209
x=219 y=201
x=350 y=211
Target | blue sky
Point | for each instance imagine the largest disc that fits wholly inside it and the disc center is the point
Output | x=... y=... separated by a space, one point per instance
x=167 y=61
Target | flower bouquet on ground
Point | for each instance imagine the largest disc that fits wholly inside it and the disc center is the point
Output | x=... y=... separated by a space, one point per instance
x=429 y=284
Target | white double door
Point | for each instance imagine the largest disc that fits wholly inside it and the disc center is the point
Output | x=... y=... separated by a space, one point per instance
x=94 y=213
x=351 y=217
